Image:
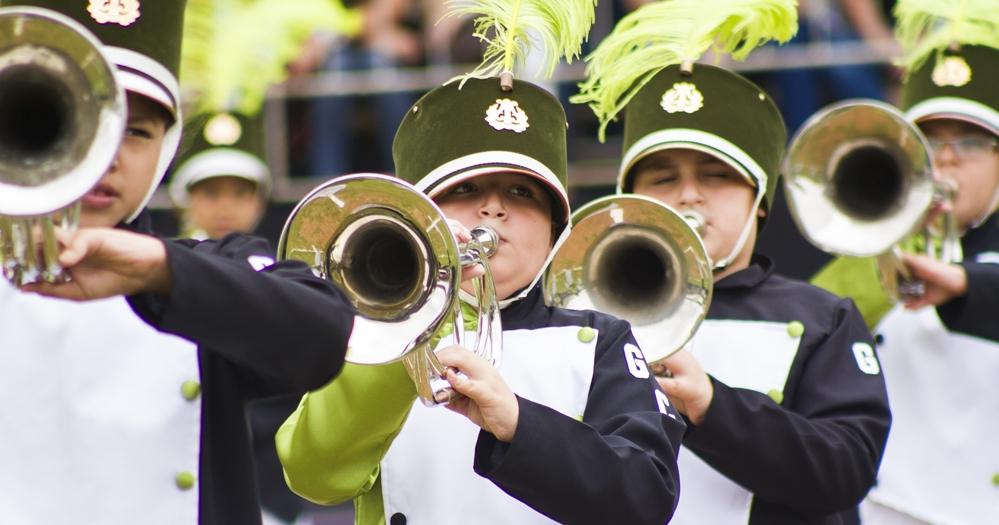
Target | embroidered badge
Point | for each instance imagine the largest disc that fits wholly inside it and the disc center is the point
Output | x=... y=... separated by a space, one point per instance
x=223 y=130
x=507 y=114
x=683 y=97
x=952 y=71
x=121 y=12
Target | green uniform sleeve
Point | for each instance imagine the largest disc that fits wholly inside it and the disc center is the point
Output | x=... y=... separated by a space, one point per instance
x=856 y=278
x=332 y=445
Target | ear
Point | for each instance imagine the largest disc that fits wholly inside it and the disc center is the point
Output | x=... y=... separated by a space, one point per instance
x=761 y=213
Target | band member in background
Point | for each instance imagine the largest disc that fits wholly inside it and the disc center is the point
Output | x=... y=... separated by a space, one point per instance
x=125 y=404
x=571 y=427
x=222 y=183
x=781 y=389
x=940 y=351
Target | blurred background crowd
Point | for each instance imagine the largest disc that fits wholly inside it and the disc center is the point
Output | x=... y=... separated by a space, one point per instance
x=346 y=95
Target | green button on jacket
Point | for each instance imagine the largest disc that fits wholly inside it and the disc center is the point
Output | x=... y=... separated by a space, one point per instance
x=190 y=390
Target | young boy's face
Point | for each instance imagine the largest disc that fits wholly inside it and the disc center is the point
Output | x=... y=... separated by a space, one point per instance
x=122 y=189
x=687 y=179
x=223 y=205
x=968 y=155
x=519 y=209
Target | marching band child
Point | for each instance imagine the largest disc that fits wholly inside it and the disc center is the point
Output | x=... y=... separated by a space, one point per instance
x=570 y=428
x=785 y=403
x=128 y=406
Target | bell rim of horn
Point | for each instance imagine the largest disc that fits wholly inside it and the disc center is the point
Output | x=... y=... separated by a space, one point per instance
x=428 y=310
x=692 y=301
x=19 y=200
x=810 y=196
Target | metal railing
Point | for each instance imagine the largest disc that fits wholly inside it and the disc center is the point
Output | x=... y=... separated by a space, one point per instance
x=289 y=188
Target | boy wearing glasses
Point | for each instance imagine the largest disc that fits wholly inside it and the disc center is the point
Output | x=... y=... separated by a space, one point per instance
x=941 y=464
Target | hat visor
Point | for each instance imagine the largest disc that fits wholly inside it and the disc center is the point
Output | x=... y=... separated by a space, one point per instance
x=140 y=74
x=218 y=162
x=955 y=108
x=697 y=140
x=465 y=168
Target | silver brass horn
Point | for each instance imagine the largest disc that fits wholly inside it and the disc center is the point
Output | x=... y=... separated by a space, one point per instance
x=859 y=179
x=61 y=120
x=392 y=252
x=639 y=260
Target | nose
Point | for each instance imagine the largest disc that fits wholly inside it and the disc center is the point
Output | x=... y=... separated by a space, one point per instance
x=690 y=192
x=946 y=155
x=492 y=205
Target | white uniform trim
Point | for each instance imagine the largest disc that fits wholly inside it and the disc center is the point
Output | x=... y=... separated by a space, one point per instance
x=218 y=162
x=97 y=419
x=549 y=366
x=762 y=362
x=941 y=457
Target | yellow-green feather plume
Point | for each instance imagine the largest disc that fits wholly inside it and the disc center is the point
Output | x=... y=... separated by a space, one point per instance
x=925 y=27
x=235 y=49
x=512 y=28
x=670 y=32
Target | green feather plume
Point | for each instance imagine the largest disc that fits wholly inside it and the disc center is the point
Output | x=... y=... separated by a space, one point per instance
x=670 y=32
x=926 y=27
x=510 y=27
x=235 y=49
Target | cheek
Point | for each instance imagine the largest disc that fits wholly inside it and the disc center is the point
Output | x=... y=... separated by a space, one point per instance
x=138 y=167
x=461 y=213
x=659 y=193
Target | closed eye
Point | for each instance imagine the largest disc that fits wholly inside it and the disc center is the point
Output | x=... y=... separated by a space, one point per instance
x=522 y=191
x=463 y=188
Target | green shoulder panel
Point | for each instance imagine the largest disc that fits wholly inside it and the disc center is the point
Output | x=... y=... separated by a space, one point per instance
x=856 y=278
x=332 y=445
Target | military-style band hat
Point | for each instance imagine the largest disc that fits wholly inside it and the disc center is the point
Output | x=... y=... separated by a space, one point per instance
x=490 y=123
x=961 y=84
x=143 y=39
x=951 y=64
x=711 y=110
x=457 y=132
x=221 y=145
x=951 y=60
x=647 y=67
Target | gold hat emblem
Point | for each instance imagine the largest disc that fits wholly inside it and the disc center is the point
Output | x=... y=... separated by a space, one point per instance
x=683 y=97
x=507 y=114
x=952 y=71
x=223 y=130
x=121 y=12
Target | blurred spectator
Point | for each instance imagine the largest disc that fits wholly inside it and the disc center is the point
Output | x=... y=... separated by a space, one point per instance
x=802 y=92
x=390 y=39
x=221 y=184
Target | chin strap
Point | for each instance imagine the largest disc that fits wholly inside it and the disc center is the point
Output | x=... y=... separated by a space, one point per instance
x=470 y=299
x=737 y=249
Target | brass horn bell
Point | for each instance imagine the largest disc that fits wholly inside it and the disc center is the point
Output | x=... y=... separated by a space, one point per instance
x=391 y=250
x=62 y=114
x=859 y=179
x=637 y=259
